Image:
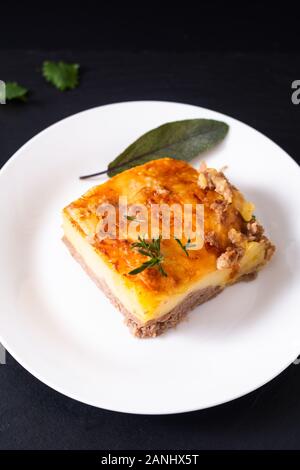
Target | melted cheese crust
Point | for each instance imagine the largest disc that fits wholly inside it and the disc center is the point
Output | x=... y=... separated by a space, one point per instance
x=148 y=294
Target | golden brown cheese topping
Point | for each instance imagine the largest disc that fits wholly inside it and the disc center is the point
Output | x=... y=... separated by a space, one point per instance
x=170 y=181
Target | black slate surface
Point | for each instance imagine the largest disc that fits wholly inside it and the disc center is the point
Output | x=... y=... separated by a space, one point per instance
x=254 y=87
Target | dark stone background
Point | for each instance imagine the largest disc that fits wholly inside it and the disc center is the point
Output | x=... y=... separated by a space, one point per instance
x=246 y=71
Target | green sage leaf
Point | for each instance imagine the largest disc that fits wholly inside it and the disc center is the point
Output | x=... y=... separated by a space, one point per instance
x=182 y=140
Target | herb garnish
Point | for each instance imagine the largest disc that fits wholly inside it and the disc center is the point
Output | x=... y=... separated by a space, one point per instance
x=130 y=217
x=14 y=91
x=133 y=218
x=182 y=140
x=186 y=246
x=152 y=250
x=60 y=74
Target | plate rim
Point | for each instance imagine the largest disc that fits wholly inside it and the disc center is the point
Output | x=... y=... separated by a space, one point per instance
x=59 y=389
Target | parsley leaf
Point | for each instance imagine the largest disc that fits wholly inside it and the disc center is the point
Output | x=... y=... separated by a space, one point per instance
x=14 y=91
x=63 y=76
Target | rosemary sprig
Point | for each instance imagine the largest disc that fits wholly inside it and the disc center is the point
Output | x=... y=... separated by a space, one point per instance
x=152 y=250
x=130 y=217
x=186 y=246
x=133 y=218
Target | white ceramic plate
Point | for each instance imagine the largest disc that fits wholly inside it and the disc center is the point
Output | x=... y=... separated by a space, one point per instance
x=63 y=330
